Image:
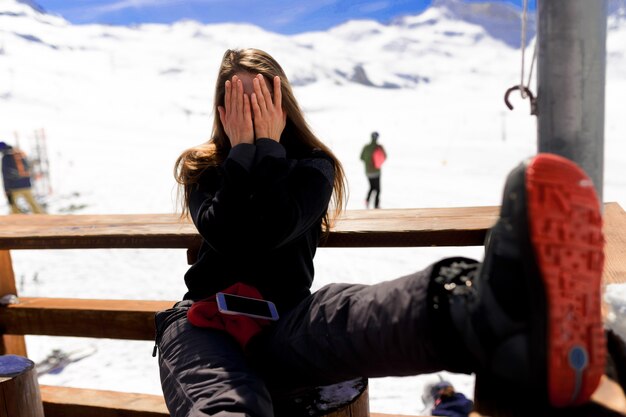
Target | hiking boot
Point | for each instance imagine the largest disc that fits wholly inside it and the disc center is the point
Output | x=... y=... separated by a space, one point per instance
x=530 y=314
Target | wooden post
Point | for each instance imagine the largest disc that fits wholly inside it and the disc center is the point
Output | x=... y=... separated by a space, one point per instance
x=19 y=390
x=344 y=399
x=9 y=344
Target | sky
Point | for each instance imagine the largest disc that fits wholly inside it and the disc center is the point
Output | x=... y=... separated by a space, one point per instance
x=281 y=16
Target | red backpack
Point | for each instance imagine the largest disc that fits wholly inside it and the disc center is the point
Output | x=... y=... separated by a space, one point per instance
x=378 y=157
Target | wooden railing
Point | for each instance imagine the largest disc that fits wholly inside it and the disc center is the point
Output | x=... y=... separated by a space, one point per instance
x=132 y=319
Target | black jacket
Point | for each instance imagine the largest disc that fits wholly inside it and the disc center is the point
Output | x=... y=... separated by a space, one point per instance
x=260 y=216
x=15 y=170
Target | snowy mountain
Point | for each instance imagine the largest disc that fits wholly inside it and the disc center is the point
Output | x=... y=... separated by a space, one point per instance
x=500 y=20
x=405 y=53
x=25 y=8
x=448 y=24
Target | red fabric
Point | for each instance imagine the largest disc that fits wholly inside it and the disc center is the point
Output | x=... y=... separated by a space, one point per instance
x=204 y=313
x=378 y=157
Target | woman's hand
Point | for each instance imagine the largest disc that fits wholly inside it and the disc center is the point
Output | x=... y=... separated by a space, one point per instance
x=269 y=118
x=235 y=115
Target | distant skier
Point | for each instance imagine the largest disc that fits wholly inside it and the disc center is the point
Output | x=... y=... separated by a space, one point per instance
x=373 y=155
x=16 y=176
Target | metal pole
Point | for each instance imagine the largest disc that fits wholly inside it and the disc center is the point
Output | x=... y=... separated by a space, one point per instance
x=571 y=72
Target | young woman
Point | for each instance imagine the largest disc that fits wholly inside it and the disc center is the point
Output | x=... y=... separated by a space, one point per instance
x=259 y=193
x=259 y=190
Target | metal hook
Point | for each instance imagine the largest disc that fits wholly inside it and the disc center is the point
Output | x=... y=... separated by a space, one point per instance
x=525 y=90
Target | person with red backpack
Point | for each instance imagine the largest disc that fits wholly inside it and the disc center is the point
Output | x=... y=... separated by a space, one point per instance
x=373 y=156
x=16 y=176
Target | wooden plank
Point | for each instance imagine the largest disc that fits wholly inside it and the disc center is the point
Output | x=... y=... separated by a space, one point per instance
x=44 y=231
x=9 y=344
x=113 y=319
x=457 y=226
x=78 y=402
x=472 y=414
x=397 y=415
x=615 y=249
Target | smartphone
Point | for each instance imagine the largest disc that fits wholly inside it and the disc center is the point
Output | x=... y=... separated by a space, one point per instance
x=246 y=306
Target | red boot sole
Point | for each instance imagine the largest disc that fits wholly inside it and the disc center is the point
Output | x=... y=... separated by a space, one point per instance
x=566 y=233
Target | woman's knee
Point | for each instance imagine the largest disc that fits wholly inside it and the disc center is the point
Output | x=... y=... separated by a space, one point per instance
x=204 y=371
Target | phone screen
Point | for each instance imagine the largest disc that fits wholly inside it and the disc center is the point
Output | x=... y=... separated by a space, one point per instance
x=249 y=306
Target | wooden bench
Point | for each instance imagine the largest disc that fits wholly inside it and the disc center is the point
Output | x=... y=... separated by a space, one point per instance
x=133 y=320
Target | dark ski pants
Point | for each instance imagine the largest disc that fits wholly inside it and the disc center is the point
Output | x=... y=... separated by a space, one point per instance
x=341 y=332
x=374 y=189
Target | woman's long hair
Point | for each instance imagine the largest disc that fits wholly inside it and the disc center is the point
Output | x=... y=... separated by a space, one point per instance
x=297 y=137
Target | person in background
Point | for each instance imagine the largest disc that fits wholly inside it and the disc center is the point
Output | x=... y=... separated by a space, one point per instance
x=16 y=177
x=373 y=156
x=448 y=402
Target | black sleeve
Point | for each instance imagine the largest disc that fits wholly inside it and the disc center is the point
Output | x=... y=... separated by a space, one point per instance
x=9 y=168
x=26 y=164
x=262 y=200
